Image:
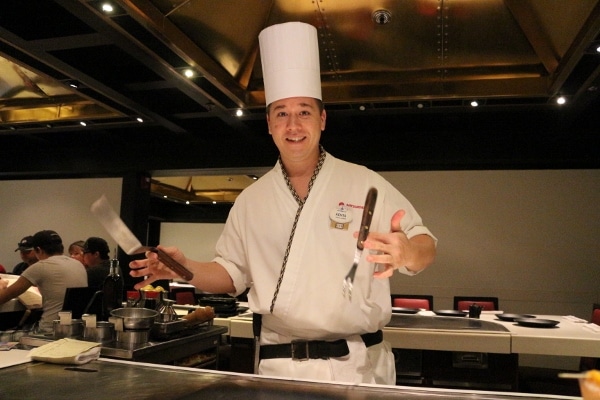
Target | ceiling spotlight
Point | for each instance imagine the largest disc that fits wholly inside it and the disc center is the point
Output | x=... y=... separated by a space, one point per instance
x=381 y=17
x=82 y=123
x=187 y=202
x=474 y=103
x=239 y=113
x=561 y=100
x=107 y=8
x=188 y=73
x=139 y=119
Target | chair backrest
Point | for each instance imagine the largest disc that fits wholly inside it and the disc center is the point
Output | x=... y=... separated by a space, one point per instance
x=77 y=299
x=463 y=302
x=185 y=297
x=596 y=314
x=413 y=301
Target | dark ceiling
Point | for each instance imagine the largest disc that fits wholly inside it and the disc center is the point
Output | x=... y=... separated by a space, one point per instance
x=398 y=79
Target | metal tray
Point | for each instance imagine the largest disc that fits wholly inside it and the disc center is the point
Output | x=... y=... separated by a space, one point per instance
x=164 y=329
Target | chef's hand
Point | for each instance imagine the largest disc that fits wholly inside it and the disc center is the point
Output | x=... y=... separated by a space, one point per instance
x=152 y=270
x=3 y=283
x=395 y=250
x=391 y=250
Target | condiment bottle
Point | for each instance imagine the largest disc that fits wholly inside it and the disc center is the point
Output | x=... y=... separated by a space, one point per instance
x=112 y=289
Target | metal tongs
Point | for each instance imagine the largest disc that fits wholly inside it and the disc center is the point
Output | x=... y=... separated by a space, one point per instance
x=363 y=232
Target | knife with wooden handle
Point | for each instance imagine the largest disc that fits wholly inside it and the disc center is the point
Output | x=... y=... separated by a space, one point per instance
x=121 y=234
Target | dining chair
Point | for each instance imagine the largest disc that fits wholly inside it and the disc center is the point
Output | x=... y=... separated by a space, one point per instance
x=412 y=301
x=463 y=302
x=184 y=296
x=78 y=300
x=409 y=362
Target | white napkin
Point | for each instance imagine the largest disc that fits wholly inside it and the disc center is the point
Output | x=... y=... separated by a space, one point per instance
x=592 y=327
x=67 y=351
x=573 y=318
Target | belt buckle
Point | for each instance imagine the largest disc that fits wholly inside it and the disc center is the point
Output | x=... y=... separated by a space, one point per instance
x=300 y=350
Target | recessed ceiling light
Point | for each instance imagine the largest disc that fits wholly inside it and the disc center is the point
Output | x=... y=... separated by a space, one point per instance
x=561 y=100
x=82 y=123
x=107 y=8
x=381 y=17
x=188 y=73
x=474 y=103
x=139 y=119
x=239 y=113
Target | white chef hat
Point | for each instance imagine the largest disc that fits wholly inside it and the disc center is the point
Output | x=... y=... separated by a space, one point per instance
x=289 y=53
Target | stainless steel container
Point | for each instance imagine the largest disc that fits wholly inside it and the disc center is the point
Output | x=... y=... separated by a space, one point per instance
x=135 y=318
x=73 y=330
x=133 y=337
x=102 y=332
x=166 y=312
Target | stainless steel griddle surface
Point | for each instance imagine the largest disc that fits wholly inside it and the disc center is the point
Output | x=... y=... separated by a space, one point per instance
x=105 y=379
x=445 y=323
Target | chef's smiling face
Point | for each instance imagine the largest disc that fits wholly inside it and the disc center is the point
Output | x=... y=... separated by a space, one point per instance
x=296 y=124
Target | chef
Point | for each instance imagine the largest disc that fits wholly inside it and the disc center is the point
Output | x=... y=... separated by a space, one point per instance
x=291 y=237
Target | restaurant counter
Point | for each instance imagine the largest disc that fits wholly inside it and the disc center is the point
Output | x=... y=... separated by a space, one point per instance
x=425 y=331
x=105 y=379
x=442 y=351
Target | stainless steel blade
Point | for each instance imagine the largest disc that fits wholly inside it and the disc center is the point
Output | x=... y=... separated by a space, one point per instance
x=116 y=228
x=127 y=241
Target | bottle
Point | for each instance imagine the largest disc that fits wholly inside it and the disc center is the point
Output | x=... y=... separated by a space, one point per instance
x=112 y=289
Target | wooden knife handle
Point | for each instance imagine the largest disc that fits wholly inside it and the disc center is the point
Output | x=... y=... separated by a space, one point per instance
x=172 y=264
x=367 y=217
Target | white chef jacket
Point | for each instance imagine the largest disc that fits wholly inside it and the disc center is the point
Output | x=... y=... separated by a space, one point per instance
x=310 y=304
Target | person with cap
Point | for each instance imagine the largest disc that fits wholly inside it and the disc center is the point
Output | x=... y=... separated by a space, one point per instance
x=52 y=275
x=28 y=257
x=96 y=258
x=291 y=237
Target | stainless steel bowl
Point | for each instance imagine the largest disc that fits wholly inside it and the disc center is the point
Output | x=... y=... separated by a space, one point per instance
x=135 y=318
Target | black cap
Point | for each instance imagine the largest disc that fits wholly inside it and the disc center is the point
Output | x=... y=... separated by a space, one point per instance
x=25 y=244
x=45 y=239
x=96 y=244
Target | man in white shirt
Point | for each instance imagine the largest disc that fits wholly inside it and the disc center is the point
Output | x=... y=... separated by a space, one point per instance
x=290 y=237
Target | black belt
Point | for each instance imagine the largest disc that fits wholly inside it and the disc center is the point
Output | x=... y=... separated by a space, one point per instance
x=306 y=349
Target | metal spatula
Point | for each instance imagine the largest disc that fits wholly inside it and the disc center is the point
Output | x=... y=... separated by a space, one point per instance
x=365 y=225
x=121 y=234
